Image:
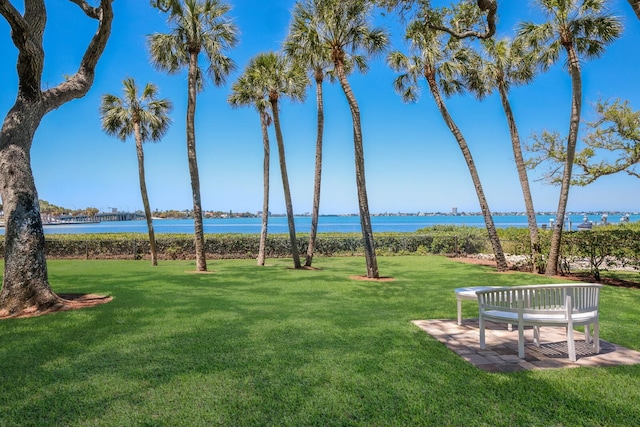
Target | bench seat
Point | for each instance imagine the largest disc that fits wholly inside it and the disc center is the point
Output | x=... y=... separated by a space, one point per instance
x=531 y=318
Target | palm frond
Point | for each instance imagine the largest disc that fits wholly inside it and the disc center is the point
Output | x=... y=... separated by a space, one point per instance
x=119 y=115
x=197 y=25
x=335 y=31
x=584 y=25
x=166 y=52
x=269 y=75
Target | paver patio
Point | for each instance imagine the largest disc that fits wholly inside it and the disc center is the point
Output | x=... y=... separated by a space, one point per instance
x=501 y=352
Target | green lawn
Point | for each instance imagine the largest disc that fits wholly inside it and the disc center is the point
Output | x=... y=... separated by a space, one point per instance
x=273 y=346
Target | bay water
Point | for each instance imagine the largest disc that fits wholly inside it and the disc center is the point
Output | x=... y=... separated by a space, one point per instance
x=326 y=224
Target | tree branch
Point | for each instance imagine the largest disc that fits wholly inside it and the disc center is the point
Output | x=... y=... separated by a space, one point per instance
x=14 y=18
x=635 y=5
x=78 y=85
x=489 y=6
x=165 y=5
x=26 y=33
x=91 y=12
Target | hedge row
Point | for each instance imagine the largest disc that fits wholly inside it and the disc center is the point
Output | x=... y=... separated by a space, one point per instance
x=136 y=246
x=601 y=247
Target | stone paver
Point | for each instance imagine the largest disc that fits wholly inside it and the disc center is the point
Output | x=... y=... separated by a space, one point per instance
x=501 y=352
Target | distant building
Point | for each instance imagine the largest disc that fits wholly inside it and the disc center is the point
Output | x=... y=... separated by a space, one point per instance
x=454 y=211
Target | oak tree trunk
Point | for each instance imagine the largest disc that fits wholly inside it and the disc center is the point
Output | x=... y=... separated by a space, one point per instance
x=25 y=281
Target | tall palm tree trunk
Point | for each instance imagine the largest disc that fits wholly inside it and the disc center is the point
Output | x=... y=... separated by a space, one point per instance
x=265 y=186
x=318 y=171
x=25 y=281
x=524 y=180
x=201 y=258
x=295 y=253
x=501 y=261
x=574 y=125
x=363 y=202
x=145 y=197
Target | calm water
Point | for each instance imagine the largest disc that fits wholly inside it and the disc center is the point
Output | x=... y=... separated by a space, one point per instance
x=339 y=224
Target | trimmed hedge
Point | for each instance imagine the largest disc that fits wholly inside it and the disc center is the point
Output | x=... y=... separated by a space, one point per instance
x=182 y=246
x=601 y=247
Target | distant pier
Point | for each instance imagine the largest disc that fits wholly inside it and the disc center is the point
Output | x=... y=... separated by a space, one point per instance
x=87 y=219
x=119 y=216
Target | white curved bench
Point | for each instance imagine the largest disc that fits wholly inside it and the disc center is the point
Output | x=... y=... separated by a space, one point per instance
x=567 y=305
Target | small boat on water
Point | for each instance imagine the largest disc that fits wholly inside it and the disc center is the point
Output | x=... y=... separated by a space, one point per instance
x=585 y=224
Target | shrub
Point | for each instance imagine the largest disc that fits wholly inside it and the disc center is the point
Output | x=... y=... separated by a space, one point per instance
x=457 y=240
x=603 y=247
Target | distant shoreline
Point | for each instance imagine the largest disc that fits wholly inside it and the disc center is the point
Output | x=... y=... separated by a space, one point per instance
x=492 y=213
x=328 y=224
x=345 y=223
x=414 y=214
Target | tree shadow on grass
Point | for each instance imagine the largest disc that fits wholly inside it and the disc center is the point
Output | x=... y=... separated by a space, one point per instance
x=179 y=349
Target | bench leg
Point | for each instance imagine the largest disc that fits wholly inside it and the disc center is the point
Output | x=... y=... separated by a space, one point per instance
x=459 y=312
x=520 y=340
x=587 y=334
x=481 y=327
x=596 y=337
x=536 y=335
x=571 y=344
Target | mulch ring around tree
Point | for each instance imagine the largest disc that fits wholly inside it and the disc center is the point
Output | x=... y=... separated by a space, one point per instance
x=69 y=302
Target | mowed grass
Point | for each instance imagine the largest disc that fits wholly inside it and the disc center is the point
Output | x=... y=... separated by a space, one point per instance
x=261 y=346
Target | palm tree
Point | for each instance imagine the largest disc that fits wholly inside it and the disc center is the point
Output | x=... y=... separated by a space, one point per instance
x=581 y=29
x=275 y=75
x=197 y=26
x=442 y=68
x=146 y=118
x=504 y=65
x=345 y=35
x=303 y=45
x=246 y=92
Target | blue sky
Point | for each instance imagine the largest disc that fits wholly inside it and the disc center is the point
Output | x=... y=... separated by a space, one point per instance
x=413 y=164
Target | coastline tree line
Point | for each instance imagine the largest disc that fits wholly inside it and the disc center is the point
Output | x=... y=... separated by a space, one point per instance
x=47 y=208
x=452 y=48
